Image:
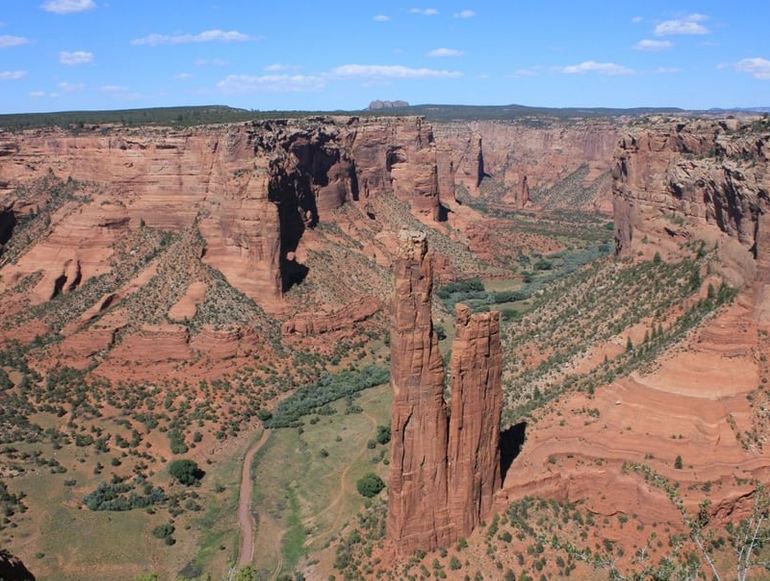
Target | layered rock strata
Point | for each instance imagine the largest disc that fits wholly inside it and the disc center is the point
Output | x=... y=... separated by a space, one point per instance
x=253 y=189
x=445 y=468
x=543 y=155
x=711 y=172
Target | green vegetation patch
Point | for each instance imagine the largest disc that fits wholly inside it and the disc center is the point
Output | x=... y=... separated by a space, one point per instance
x=327 y=389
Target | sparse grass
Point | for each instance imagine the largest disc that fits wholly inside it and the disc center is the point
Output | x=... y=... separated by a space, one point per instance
x=303 y=498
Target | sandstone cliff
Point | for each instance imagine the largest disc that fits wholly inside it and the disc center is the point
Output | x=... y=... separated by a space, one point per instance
x=692 y=172
x=253 y=190
x=444 y=470
x=563 y=163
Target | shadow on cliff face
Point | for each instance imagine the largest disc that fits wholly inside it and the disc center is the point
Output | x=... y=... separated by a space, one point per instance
x=12 y=569
x=296 y=212
x=7 y=224
x=511 y=442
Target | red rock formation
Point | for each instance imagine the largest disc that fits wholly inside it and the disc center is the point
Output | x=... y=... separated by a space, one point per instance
x=547 y=152
x=444 y=472
x=254 y=189
x=523 y=198
x=306 y=324
x=474 y=424
x=707 y=172
x=418 y=514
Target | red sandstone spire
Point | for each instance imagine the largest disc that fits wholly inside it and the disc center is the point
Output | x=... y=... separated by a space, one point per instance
x=443 y=473
x=474 y=425
x=417 y=490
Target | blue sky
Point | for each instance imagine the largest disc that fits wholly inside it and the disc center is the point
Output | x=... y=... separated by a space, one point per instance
x=302 y=54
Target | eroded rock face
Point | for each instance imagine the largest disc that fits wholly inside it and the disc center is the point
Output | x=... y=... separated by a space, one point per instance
x=546 y=155
x=418 y=515
x=444 y=470
x=253 y=189
x=712 y=172
x=474 y=424
x=306 y=324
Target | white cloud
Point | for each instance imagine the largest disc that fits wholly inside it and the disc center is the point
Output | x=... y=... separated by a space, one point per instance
x=12 y=75
x=381 y=18
x=271 y=83
x=757 y=67
x=37 y=94
x=690 y=24
x=637 y=19
x=182 y=76
x=465 y=14
x=78 y=57
x=610 y=69
x=668 y=70
x=280 y=68
x=211 y=62
x=7 y=41
x=526 y=72
x=392 y=71
x=68 y=6
x=424 y=11
x=205 y=36
x=120 y=92
x=445 y=52
x=66 y=87
x=653 y=45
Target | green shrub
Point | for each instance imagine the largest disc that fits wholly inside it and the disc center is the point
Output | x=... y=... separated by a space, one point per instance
x=185 y=471
x=383 y=434
x=163 y=531
x=370 y=485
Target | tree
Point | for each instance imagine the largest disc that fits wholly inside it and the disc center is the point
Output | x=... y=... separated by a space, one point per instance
x=248 y=573
x=678 y=464
x=370 y=485
x=186 y=471
x=383 y=434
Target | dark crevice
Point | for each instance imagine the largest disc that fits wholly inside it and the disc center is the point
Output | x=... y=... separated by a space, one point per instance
x=7 y=224
x=511 y=442
x=58 y=285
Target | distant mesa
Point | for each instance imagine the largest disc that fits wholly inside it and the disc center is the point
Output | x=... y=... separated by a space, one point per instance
x=379 y=105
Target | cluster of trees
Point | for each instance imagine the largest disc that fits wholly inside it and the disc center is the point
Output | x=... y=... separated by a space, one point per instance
x=327 y=389
x=120 y=495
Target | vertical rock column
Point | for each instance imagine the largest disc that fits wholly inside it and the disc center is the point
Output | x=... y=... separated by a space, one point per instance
x=474 y=425
x=417 y=491
x=762 y=282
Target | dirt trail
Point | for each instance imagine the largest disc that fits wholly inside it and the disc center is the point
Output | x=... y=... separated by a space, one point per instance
x=245 y=517
x=341 y=491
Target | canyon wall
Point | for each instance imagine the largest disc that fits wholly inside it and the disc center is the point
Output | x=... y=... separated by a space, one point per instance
x=563 y=163
x=444 y=469
x=707 y=172
x=252 y=189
